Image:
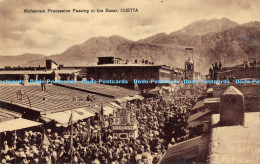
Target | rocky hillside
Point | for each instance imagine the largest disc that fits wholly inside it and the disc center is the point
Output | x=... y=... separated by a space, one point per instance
x=203 y=27
x=86 y=53
x=233 y=46
x=229 y=43
x=18 y=60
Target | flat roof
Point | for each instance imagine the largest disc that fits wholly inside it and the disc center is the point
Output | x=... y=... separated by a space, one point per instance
x=125 y=65
x=37 y=72
x=106 y=57
x=19 y=72
x=236 y=144
x=129 y=65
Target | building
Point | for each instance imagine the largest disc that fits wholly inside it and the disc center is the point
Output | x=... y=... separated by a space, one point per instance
x=111 y=60
x=111 y=68
x=178 y=74
x=56 y=102
x=245 y=70
x=189 y=69
x=52 y=71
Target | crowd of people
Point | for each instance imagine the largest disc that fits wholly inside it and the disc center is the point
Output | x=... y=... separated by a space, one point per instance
x=213 y=72
x=247 y=64
x=161 y=123
x=217 y=67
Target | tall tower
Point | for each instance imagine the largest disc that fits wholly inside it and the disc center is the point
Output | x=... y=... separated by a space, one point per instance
x=189 y=64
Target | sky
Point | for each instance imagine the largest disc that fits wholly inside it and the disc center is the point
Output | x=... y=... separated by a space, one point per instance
x=53 y=33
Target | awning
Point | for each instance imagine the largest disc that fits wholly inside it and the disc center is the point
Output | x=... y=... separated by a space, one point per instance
x=129 y=98
x=199 y=121
x=115 y=105
x=186 y=150
x=154 y=91
x=63 y=117
x=198 y=105
x=139 y=97
x=166 y=88
x=17 y=124
x=198 y=115
x=176 y=71
x=212 y=100
x=108 y=110
x=121 y=100
x=210 y=90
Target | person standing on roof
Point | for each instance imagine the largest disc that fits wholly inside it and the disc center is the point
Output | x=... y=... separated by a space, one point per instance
x=220 y=66
x=43 y=84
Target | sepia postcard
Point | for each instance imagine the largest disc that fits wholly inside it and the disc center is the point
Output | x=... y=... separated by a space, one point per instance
x=130 y=81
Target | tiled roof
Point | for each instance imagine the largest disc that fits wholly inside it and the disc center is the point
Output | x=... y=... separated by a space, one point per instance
x=236 y=144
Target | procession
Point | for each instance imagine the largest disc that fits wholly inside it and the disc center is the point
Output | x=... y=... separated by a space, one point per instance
x=161 y=122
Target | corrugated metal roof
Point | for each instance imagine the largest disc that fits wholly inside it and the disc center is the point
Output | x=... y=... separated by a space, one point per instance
x=57 y=98
x=8 y=115
x=113 y=91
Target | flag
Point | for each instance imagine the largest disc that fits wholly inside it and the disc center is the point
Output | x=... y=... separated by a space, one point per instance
x=101 y=121
x=46 y=140
x=101 y=116
x=71 y=135
x=70 y=120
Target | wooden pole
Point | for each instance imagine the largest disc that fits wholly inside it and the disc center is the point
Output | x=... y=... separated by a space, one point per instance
x=100 y=122
x=71 y=137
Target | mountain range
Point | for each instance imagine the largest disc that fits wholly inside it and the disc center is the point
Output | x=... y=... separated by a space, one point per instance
x=215 y=40
x=23 y=59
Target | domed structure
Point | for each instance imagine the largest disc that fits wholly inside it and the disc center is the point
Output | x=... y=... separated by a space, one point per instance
x=189 y=61
x=189 y=69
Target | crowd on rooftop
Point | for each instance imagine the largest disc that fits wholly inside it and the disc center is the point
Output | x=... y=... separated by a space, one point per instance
x=161 y=123
x=217 y=67
x=213 y=72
